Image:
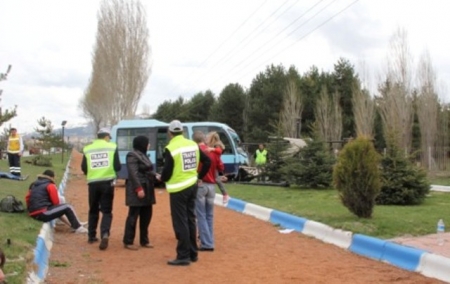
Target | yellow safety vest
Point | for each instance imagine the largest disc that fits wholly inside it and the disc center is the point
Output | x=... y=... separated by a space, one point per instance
x=100 y=160
x=261 y=157
x=186 y=156
x=14 y=144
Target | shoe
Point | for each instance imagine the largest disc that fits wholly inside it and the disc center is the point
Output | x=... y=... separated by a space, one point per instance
x=104 y=243
x=81 y=230
x=130 y=247
x=226 y=198
x=83 y=223
x=24 y=178
x=147 y=246
x=206 y=249
x=92 y=240
x=179 y=262
x=194 y=258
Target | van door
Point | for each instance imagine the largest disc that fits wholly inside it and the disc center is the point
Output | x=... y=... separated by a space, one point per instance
x=162 y=139
x=124 y=143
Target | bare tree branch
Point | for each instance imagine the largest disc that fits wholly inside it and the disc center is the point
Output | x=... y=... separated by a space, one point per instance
x=427 y=108
x=328 y=115
x=363 y=111
x=290 y=116
x=395 y=103
x=121 y=58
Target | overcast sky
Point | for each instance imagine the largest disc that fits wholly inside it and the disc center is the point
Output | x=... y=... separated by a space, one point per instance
x=199 y=45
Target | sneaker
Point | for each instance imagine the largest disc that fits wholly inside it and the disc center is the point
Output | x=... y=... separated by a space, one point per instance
x=226 y=198
x=81 y=230
x=83 y=223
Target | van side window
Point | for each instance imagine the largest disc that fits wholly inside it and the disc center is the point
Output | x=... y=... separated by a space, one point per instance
x=125 y=137
x=223 y=136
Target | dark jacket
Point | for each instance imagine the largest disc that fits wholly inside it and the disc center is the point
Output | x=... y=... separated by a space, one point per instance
x=41 y=195
x=140 y=175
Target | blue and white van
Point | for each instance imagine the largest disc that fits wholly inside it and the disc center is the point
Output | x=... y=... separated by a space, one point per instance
x=124 y=132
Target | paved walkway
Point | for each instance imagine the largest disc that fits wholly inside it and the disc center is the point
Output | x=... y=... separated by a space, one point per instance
x=428 y=243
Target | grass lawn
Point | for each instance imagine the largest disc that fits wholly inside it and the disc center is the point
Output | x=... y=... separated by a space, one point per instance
x=324 y=206
x=20 y=229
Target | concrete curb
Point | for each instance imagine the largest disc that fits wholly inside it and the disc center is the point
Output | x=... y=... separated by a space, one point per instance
x=287 y=221
x=317 y=230
x=340 y=238
x=402 y=256
x=236 y=204
x=436 y=266
x=408 y=258
x=367 y=246
x=257 y=211
x=441 y=188
x=44 y=242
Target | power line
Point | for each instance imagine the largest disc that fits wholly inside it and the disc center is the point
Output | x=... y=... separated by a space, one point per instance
x=290 y=24
x=220 y=45
x=304 y=36
x=249 y=35
x=188 y=108
x=270 y=40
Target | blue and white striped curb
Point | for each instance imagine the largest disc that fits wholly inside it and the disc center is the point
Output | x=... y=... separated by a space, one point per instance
x=44 y=241
x=408 y=258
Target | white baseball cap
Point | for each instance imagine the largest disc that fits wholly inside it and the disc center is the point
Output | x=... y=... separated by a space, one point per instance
x=104 y=130
x=175 y=126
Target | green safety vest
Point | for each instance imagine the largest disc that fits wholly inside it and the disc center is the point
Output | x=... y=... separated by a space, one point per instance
x=186 y=156
x=261 y=157
x=100 y=160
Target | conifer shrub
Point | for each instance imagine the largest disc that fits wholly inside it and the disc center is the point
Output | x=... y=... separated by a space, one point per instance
x=42 y=161
x=357 y=176
x=311 y=166
x=403 y=183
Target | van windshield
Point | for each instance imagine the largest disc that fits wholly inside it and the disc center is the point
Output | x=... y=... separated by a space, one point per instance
x=237 y=141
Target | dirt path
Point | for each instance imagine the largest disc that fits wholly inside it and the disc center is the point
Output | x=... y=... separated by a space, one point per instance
x=248 y=251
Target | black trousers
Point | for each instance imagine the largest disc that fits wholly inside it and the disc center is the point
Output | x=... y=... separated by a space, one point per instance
x=57 y=211
x=144 y=214
x=14 y=164
x=101 y=197
x=182 y=207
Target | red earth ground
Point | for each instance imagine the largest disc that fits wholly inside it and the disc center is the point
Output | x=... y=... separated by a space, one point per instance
x=248 y=250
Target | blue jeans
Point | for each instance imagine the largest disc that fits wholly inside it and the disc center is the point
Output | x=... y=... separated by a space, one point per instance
x=204 y=206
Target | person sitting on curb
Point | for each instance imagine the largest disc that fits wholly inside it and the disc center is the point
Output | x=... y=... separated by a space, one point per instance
x=43 y=202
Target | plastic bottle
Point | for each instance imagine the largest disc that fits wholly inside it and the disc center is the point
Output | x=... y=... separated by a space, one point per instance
x=440 y=232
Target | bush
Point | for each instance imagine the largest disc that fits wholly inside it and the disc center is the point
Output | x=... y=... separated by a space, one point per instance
x=403 y=182
x=356 y=176
x=311 y=167
x=42 y=161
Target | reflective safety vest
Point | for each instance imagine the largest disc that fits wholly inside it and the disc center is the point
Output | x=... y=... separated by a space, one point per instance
x=186 y=156
x=100 y=160
x=261 y=157
x=13 y=144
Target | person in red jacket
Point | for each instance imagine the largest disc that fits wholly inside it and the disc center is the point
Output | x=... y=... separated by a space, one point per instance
x=43 y=202
x=216 y=147
x=204 y=204
x=2 y=262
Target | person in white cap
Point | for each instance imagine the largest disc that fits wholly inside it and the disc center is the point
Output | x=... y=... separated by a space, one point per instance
x=181 y=174
x=100 y=165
